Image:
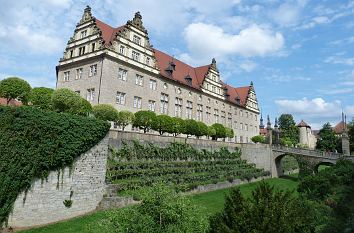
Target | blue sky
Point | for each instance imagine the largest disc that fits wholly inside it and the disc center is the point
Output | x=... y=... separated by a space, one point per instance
x=299 y=54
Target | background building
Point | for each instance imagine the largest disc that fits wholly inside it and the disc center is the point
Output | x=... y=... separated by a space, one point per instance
x=119 y=66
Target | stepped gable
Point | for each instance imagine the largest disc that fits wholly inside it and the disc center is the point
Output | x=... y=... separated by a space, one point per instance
x=182 y=70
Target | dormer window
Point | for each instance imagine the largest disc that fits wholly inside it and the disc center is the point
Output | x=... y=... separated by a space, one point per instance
x=188 y=79
x=136 y=39
x=237 y=100
x=171 y=67
x=83 y=34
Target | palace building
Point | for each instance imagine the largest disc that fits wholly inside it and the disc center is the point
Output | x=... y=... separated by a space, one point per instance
x=119 y=66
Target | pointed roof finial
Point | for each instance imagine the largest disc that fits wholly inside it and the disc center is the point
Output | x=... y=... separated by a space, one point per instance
x=269 y=125
x=276 y=122
x=137 y=21
x=87 y=16
x=251 y=84
x=261 y=125
x=213 y=65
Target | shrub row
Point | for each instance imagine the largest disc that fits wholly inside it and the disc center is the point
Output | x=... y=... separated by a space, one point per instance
x=136 y=166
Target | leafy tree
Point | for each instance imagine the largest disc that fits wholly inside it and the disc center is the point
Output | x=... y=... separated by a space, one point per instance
x=65 y=100
x=286 y=141
x=229 y=132
x=266 y=211
x=15 y=88
x=161 y=210
x=125 y=118
x=220 y=131
x=162 y=124
x=192 y=127
x=327 y=139
x=144 y=120
x=211 y=131
x=178 y=126
x=258 y=139
x=288 y=128
x=105 y=112
x=351 y=135
x=41 y=97
x=202 y=129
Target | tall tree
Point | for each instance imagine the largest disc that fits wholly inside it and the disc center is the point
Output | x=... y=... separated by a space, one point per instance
x=15 y=88
x=288 y=128
x=327 y=141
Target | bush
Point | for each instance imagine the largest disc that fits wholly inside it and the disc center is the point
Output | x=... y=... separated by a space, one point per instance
x=41 y=97
x=105 y=112
x=125 y=118
x=34 y=142
x=162 y=124
x=211 y=131
x=178 y=126
x=202 y=129
x=258 y=139
x=220 y=131
x=15 y=88
x=65 y=100
x=266 y=211
x=229 y=132
x=192 y=127
x=144 y=120
x=162 y=210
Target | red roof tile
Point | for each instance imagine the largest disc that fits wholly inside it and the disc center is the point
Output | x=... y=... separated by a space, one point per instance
x=3 y=101
x=242 y=92
x=108 y=32
x=339 y=128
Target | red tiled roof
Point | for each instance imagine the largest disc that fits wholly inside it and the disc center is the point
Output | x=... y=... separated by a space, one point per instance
x=182 y=69
x=108 y=32
x=263 y=131
x=339 y=128
x=3 y=101
x=303 y=124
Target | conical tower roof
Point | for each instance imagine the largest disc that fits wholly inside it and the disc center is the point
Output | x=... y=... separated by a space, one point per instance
x=303 y=124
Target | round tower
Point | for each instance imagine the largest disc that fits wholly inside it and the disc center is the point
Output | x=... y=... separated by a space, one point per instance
x=305 y=130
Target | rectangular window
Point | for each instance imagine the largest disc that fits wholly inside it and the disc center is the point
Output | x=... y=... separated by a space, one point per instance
x=93 y=47
x=122 y=50
x=71 y=53
x=223 y=118
x=139 y=80
x=241 y=113
x=79 y=73
x=137 y=102
x=120 y=98
x=83 y=34
x=229 y=120
x=82 y=50
x=151 y=105
x=152 y=84
x=135 y=56
x=246 y=127
x=148 y=61
x=90 y=94
x=164 y=103
x=93 y=70
x=208 y=113
x=136 y=39
x=66 y=76
x=122 y=74
x=241 y=126
x=200 y=112
x=189 y=109
x=235 y=124
x=216 y=115
x=178 y=107
x=241 y=139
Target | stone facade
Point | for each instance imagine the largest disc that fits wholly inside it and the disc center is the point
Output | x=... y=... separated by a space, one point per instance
x=84 y=185
x=120 y=68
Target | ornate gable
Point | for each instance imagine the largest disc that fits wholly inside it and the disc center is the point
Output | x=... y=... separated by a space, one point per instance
x=251 y=100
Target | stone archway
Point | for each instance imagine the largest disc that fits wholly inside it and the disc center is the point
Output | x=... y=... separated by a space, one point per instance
x=328 y=163
x=278 y=163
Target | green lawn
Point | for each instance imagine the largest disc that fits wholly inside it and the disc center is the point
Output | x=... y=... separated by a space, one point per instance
x=211 y=202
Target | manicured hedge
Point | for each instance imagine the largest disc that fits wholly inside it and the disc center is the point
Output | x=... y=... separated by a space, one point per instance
x=33 y=142
x=137 y=165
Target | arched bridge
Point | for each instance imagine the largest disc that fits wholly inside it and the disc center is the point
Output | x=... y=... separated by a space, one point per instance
x=312 y=158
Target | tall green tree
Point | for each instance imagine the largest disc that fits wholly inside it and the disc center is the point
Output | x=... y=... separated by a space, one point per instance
x=125 y=118
x=144 y=120
x=288 y=129
x=162 y=124
x=266 y=211
x=41 y=97
x=15 y=88
x=327 y=139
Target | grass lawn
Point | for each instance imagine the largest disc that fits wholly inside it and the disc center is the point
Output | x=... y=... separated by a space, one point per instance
x=211 y=202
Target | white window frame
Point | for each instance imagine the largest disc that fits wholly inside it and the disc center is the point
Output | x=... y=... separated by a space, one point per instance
x=66 y=77
x=189 y=109
x=122 y=74
x=120 y=98
x=93 y=70
x=79 y=72
x=122 y=50
x=90 y=96
x=137 y=102
x=137 y=39
x=139 y=80
x=152 y=105
x=135 y=56
x=178 y=107
x=152 y=84
x=164 y=103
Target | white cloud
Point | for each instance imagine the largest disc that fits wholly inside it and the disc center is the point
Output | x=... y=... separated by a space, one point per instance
x=340 y=60
x=339 y=91
x=287 y=14
x=314 y=107
x=248 y=65
x=286 y=78
x=251 y=41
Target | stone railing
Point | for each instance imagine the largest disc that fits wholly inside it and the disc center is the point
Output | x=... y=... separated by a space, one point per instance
x=306 y=152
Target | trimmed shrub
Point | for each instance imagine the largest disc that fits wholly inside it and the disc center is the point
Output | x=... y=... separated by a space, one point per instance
x=41 y=97
x=202 y=129
x=229 y=132
x=258 y=139
x=125 y=118
x=162 y=124
x=178 y=126
x=191 y=127
x=65 y=100
x=105 y=112
x=15 y=88
x=34 y=142
x=220 y=131
x=144 y=120
x=211 y=131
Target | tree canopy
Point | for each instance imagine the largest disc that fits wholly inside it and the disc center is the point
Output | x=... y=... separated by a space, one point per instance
x=15 y=88
x=327 y=139
x=125 y=118
x=105 y=112
x=144 y=120
x=162 y=124
x=41 y=97
x=65 y=100
x=288 y=128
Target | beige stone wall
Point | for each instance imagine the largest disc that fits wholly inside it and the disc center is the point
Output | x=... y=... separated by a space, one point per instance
x=44 y=201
